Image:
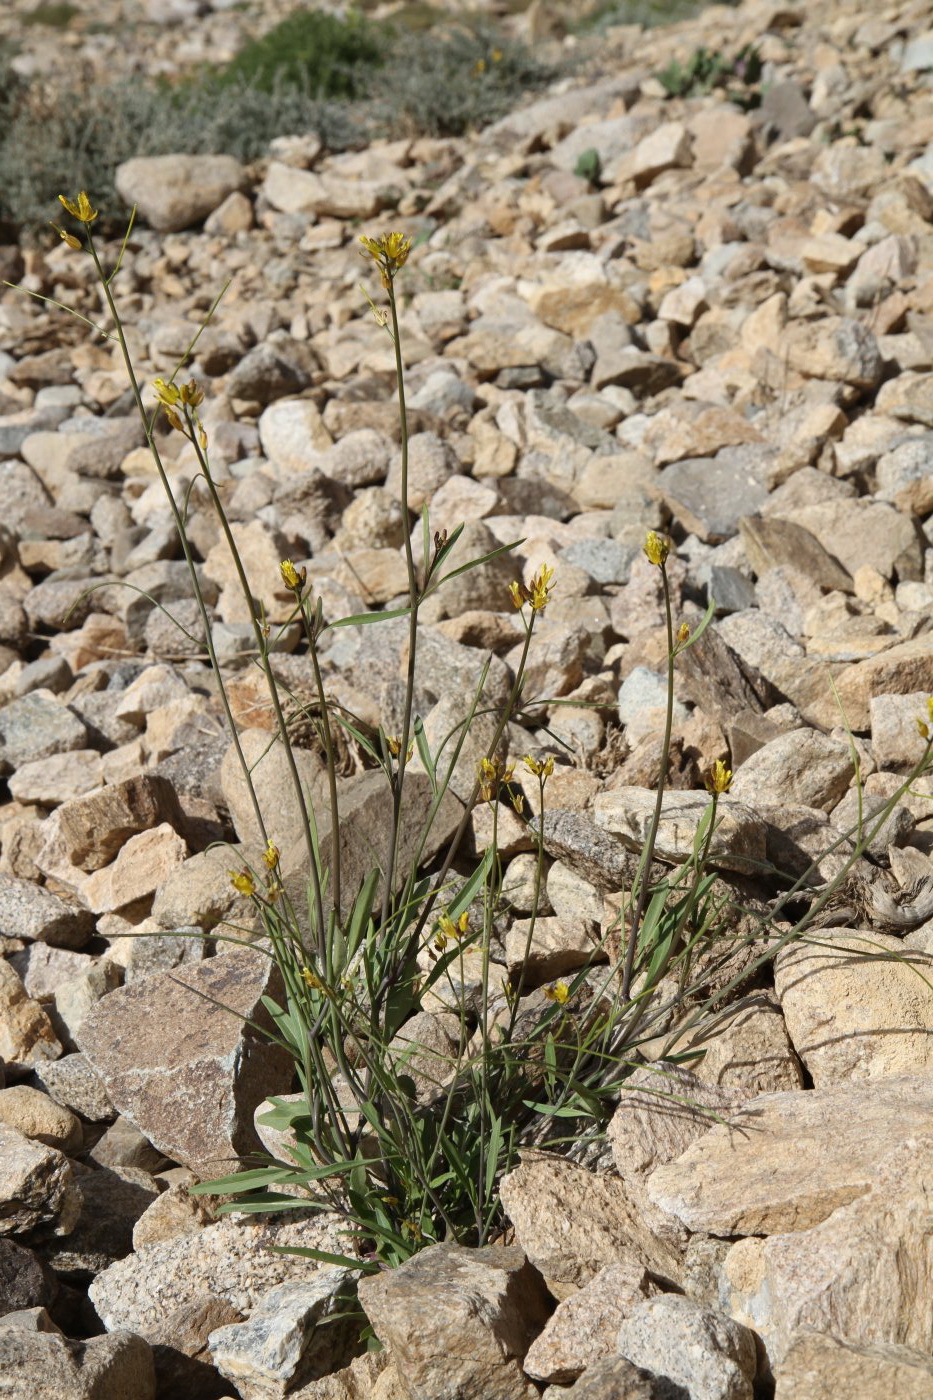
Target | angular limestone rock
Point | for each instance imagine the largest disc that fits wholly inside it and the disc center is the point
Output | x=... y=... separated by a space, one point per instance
x=185 y=1069
x=458 y=1322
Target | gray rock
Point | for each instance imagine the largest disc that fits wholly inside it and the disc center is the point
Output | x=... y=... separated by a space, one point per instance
x=297 y=1333
x=802 y=767
x=75 y=1084
x=710 y=495
x=25 y=1282
x=31 y=912
x=37 y=726
x=701 y=1349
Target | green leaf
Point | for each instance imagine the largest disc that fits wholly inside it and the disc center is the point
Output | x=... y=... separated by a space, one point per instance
x=364 y=619
x=424 y=753
x=475 y=563
x=364 y=1266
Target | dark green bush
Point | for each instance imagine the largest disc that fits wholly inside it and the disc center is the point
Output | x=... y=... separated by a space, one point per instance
x=318 y=54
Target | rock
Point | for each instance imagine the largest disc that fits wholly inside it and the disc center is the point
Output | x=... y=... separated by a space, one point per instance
x=90 y=832
x=74 y=1084
x=707 y=1353
x=857 y=1006
x=175 y=1212
x=710 y=496
x=24 y=1281
x=186 y=1071
x=746 y=1049
x=113 y=1200
x=833 y=348
x=738 y=842
x=571 y=1223
x=40 y=1118
x=786 y=1161
x=818 y=1365
x=37 y=726
x=230 y=1262
x=615 y=1378
x=817 y=1278
x=584 y=1326
x=50 y=781
x=458 y=1322
x=26 y=1034
x=34 y=913
x=297 y=1333
x=662 y=1110
x=37 y=1187
x=177 y=191
x=144 y=863
x=293 y=435
x=102 y=1368
x=802 y=766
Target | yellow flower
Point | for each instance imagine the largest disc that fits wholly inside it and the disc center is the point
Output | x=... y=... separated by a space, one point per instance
x=291 y=577
x=191 y=393
x=243 y=882
x=68 y=237
x=79 y=208
x=539 y=770
x=448 y=931
x=657 y=548
x=492 y=773
x=720 y=778
x=271 y=855
x=412 y=1229
x=683 y=632
x=537 y=593
x=168 y=395
x=311 y=979
x=560 y=993
x=389 y=252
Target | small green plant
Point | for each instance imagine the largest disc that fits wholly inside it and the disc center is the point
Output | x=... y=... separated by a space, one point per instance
x=709 y=68
x=55 y=16
x=588 y=165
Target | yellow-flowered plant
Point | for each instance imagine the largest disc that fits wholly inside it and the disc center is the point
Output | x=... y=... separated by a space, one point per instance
x=291 y=576
x=539 y=769
x=493 y=774
x=560 y=993
x=924 y=725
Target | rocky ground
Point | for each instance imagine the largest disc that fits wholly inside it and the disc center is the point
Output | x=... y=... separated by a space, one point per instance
x=728 y=334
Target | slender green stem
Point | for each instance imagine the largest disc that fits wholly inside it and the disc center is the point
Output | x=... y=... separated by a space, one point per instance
x=413 y=600
x=148 y=428
x=644 y=866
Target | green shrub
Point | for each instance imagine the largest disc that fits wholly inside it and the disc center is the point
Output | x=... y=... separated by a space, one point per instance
x=708 y=68
x=316 y=53
x=57 y=16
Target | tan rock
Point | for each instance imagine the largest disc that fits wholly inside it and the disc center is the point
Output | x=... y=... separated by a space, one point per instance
x=26 y=1034
x=40 y=1118
x=176 y=1212
x=821 y=1367
x=51 y=781
x=89 y=832
x=863 y=1272
x=37 y=1186
x=784 y=1162
x=144 y=863
x=184 y=1069
x=746 y=1049
x=459 y=1321
x=584 y=1327
x=833 y=348
x=571 y=1223
x=857 y=1005
x=738 y=840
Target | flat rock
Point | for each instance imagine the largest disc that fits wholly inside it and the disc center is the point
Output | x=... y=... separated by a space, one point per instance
x=709 y=1355
x=803 y=766
x=181 y=1067
x=819 y=1365
x=30 y=912
x=786 y=1161
x=738 y=842
x=864 y=1271
x=584 y=1326
x=857 y=1005
x=37 y=726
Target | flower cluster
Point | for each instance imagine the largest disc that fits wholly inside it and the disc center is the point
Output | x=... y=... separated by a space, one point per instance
x=447 y=931
x=542 y=769
x=537 y=593
x=293 y=578
x=389 y=252
x=181 y=402
x=492 y=775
